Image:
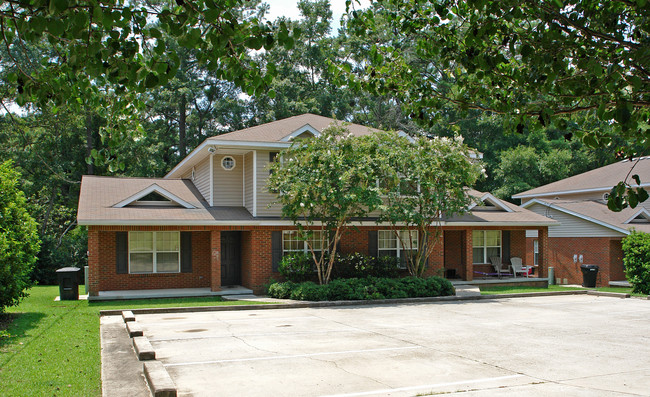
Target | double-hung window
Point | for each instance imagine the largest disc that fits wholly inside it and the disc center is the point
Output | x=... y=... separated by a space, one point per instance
x=536 y=252
x=154 y=252
x=390 y=245
x=485 y=245
x=292 y=242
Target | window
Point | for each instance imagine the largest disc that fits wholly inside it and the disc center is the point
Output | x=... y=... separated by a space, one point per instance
x=536 y=252
x=292 y=242
x=390 y=245
x=485 y=244
x=227 y=163
x=154 y=252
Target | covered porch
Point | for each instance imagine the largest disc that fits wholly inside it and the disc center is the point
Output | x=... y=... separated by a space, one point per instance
x=468 y=252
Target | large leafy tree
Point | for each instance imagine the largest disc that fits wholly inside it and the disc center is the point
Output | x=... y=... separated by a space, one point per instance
x=534 y=62
x=102 y=53
x=324 y=182
x=18 y=239
x=423 y=181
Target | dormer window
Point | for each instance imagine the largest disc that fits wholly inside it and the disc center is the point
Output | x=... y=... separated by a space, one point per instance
x=228 y=163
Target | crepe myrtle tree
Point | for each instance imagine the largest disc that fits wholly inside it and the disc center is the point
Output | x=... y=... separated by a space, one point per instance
x=422 y=181
x=323 y=183
x=19 y=241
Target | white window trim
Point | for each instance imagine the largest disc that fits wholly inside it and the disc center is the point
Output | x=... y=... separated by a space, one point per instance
x=400 y=249
x=305 y=248
x=536 y=252
x=234 y=162
x=486 y=259
x=154 y=252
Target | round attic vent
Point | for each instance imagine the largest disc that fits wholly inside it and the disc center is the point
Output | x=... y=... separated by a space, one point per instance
x=228 y=163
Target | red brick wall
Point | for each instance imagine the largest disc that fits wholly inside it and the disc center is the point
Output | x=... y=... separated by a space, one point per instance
x=103 y=275
x=256 y=256
x=602 y=251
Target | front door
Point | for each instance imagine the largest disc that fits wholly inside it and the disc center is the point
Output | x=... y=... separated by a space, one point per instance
x=230 y=258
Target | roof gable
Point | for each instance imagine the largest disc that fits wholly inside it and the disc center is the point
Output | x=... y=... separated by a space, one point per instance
x=168 y=198
x=489 y=203
x=641 y=216
x=306 y=131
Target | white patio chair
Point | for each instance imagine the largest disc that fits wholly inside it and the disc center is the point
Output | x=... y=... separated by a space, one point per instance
x=517 y=267
x=498 y=266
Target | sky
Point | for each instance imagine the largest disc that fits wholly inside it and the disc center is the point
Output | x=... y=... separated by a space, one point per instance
x=289 y=9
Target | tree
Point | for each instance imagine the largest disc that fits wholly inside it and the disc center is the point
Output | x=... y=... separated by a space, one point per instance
x=534 y=62
x=324 y=182
x=102 y=53
x=636 y=258
x=424 y=181
x=18 y=239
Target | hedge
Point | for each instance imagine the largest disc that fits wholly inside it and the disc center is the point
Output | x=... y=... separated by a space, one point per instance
x=636 y=258
x=362 y=289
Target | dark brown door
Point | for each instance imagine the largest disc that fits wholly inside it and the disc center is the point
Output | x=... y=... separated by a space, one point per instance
x=453 y=253
x=230 y=258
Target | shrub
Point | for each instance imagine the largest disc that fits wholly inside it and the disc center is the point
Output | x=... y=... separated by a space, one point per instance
x=297 y=267
x=636 y=258
x=360 y=266
x=19 y=241
x=363 y=288
x=386 y=266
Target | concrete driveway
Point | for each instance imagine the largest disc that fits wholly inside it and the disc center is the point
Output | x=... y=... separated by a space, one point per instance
x=574 y=345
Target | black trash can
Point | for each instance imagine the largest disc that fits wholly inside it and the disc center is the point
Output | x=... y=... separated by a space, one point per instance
x=68 y=283
x=589 y=275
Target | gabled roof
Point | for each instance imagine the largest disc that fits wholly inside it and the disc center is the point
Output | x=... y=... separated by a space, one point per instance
x=595 y=212
x=599 y=180
x=154 y=188
x=275 y=135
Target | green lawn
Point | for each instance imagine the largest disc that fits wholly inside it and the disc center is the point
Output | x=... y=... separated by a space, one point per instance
x=52 y=348
x=521 y=289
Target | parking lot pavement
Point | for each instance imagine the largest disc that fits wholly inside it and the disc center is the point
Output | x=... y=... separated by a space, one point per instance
x=575 y=345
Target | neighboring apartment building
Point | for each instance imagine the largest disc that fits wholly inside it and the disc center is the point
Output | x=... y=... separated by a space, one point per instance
x=589 y=233
x=211 y=221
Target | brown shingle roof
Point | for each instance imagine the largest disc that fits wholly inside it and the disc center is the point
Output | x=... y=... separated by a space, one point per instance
x=276 y=130
x=598 y=211
x=601 y=178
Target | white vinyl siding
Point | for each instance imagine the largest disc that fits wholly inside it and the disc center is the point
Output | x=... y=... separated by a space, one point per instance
x=202 y=178
x=264 y=197
x=572 y=226
x=228 y=185
x=248 y=181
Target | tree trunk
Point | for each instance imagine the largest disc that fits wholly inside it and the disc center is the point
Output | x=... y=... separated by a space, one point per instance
x=90 y=169
x=182 y=105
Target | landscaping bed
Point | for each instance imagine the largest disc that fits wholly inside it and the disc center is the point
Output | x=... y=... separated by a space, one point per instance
x=362 y=289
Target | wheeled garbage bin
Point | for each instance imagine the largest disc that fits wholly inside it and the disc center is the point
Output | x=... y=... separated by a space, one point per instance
x=589 y=275
x=68 y=283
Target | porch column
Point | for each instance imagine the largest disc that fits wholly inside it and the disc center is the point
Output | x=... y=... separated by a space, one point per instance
x=542 y=239
x=215 y=260
x=468 y=267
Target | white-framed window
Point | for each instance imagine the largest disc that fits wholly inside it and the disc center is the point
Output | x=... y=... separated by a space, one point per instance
x=390 y=245
x=228 y=163
x=154 y=252
x=536 y=252
x=292 y=242
x=485 y=244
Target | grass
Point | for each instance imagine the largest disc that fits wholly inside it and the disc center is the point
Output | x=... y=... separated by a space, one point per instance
x=523 y=289
x=53 y=348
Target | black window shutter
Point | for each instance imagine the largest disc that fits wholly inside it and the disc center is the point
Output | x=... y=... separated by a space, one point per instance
x=186 y=252
x=424 y=248
x=505 y=248
x=373 y=248
x=122 y=252
x=276 y=249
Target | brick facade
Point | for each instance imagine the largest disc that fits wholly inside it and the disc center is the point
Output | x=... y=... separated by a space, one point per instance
x=256 y=260
x=605 y=252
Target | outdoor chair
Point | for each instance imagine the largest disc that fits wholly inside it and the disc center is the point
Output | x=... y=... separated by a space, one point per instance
x=517 y=267
x=498 y=266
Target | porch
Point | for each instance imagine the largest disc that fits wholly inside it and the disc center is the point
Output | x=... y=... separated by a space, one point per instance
x=504 y=282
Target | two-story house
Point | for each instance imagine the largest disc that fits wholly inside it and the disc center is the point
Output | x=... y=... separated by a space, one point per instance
x=211 y=222
x=588 y=232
